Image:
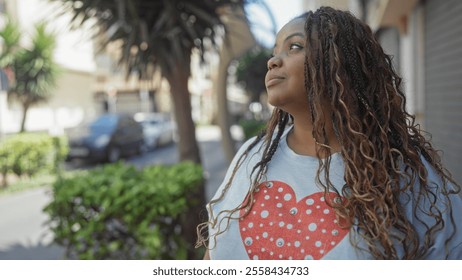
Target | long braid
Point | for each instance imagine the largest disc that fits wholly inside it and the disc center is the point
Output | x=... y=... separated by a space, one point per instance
x=268 y=154
x=307 y=69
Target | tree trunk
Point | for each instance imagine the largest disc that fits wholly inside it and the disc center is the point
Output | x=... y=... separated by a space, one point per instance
x=239 y=39
x=223 y=116
x=188 y=149
x=25 y=109
x=4 y=183
x=187 y=144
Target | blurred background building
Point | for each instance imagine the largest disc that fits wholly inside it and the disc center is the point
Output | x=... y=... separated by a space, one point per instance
x=425 y=39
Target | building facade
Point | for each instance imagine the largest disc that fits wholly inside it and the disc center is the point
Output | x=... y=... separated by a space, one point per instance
x=425 y=38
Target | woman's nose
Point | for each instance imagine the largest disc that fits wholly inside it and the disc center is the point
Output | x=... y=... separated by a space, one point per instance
x=273 y=62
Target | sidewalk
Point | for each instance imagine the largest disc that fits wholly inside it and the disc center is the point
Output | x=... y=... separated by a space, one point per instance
x=23 y=235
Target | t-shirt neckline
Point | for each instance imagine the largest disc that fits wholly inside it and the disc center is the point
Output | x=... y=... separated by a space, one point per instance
x=284 y=146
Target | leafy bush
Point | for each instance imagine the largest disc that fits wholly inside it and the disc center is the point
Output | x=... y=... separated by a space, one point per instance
x=60 y=152
x=119 y=212
x=27 y=154
x=251 y=127
x=251 y=71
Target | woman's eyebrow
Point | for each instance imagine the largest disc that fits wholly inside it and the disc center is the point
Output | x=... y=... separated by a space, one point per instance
x=293 y=35
x=299 y=34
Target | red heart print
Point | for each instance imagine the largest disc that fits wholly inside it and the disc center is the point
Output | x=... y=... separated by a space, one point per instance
x=279 y=227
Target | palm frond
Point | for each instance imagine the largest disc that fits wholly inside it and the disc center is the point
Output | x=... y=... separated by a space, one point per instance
x=35 y=69
x=162 y=31
x=10 y=35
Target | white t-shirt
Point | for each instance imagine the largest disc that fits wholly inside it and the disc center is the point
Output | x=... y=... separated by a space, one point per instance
x=290 y=219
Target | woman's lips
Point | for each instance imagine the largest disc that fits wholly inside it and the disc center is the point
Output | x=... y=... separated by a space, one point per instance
x=274 y=81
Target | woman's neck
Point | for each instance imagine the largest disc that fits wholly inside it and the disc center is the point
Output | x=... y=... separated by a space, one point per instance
x=300 y=139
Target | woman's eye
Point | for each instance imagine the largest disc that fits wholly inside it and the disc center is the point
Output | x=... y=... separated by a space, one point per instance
x=295 y=46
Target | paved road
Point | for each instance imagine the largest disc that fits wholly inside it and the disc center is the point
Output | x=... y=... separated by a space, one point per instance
x=23 y=233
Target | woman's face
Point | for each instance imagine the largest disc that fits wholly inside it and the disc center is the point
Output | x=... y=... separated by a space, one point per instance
x=285 y=77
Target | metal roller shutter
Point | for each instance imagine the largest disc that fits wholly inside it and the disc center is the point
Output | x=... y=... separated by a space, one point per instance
x=443 y=80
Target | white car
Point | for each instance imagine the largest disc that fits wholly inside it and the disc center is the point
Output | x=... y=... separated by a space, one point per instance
x=158 y=129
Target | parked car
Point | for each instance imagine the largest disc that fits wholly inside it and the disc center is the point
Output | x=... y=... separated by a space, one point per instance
x=108 y=138
x=158 y=129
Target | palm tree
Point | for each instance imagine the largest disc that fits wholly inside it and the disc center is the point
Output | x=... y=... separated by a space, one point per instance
x=239 y=40
x=161 y=35
x=34 y=69
x=158 y=35
x=10 y=35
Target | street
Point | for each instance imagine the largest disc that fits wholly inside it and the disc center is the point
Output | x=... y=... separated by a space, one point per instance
x=24 y=234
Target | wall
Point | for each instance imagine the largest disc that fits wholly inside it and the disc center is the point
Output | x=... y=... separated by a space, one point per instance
x=71 y=104
x=443 y=83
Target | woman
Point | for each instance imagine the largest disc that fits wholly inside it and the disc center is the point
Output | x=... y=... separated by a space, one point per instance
x=341 y=171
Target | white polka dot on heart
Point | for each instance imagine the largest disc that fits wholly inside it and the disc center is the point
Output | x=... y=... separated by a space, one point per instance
x=312 y=227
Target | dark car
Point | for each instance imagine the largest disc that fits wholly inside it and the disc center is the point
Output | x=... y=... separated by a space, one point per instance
x=108 y=138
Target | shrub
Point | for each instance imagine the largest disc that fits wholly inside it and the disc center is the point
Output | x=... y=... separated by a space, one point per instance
x=118 y=212
x=27 y=154
x=60 y=151
x=251 y=127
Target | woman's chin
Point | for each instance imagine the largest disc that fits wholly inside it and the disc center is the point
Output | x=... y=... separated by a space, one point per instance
x=274 y=99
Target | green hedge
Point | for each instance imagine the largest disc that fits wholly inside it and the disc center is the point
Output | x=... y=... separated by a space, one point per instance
x=27 y=154
x=119 y=212
x=251 y=127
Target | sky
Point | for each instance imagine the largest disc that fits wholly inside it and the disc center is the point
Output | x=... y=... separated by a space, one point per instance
x=283 y=11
